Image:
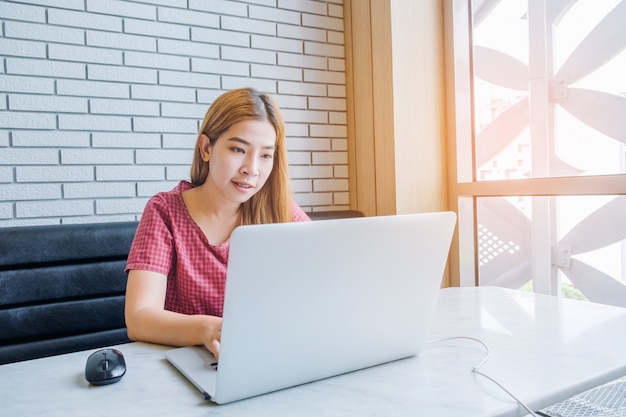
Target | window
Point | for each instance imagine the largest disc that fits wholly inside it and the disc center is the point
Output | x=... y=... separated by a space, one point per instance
x=540 y=145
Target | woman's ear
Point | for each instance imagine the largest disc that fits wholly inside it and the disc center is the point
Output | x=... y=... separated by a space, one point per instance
x=205 y=147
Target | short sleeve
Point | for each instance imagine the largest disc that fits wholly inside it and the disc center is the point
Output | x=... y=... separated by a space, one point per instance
x=153 y=248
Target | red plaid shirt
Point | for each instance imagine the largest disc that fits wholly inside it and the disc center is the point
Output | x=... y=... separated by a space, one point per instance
x=169 y=242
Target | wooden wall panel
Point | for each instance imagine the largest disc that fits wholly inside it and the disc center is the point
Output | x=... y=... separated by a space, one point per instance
x=396 y=106
x=360 y=104
x=384 y=110
x=419 y=103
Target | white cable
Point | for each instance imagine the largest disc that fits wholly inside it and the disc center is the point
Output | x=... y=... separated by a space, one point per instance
x=477 y=370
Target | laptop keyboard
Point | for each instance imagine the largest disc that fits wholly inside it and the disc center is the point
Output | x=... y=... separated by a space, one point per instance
x=604 y=401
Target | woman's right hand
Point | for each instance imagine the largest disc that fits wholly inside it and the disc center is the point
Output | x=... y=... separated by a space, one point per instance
x=213 y=335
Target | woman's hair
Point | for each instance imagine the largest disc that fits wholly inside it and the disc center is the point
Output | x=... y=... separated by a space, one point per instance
x=272 y=203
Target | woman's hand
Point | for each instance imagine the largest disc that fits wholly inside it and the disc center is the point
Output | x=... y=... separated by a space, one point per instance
x=213 y=335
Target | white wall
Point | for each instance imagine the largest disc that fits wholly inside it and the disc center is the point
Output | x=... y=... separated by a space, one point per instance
x=101 y=100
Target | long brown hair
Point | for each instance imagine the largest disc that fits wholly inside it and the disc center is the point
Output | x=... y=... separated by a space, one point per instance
x=272 y=203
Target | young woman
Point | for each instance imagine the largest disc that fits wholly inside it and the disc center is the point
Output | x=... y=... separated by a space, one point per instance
x=177 y=263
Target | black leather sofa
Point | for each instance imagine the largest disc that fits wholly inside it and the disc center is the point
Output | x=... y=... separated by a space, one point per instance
x=62 y=287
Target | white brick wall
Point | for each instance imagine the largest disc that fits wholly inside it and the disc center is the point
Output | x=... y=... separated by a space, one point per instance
x=100 y=101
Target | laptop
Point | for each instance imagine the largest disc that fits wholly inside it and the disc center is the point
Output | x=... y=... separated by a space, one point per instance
x=308 y=301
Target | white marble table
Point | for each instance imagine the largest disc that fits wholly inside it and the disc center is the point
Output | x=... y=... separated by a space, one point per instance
x=543 y=349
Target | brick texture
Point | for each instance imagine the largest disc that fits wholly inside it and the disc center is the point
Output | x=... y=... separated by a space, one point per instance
x=100 y=101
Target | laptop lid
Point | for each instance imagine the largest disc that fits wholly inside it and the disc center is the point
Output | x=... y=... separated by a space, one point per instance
x=306 y=301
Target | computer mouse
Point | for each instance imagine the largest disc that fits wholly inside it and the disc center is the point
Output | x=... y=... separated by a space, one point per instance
x=105 y=366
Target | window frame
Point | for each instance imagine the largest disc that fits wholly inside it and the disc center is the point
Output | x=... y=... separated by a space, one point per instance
x=463 y=188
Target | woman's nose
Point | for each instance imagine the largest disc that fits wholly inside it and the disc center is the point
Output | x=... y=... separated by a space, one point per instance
x=250 y=167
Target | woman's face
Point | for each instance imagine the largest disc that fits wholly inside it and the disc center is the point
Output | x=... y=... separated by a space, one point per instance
x=241 y=159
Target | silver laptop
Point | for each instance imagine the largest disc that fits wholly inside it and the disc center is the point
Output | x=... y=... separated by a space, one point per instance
x=307 y=301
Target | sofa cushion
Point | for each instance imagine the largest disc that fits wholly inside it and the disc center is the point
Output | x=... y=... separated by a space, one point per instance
x=63 y=288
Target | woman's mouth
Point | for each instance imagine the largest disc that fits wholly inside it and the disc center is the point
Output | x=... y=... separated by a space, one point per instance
x=243 y=185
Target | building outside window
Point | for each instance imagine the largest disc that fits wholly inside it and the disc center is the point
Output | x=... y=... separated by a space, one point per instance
x=540 y=145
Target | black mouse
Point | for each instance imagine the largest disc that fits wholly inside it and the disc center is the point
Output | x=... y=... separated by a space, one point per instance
x=105 y=366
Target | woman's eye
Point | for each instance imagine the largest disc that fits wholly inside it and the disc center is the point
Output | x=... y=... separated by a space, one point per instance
x=238 y=150
x=267 y=156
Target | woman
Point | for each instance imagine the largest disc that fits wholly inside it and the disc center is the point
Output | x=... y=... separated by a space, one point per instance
x=177 y=263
